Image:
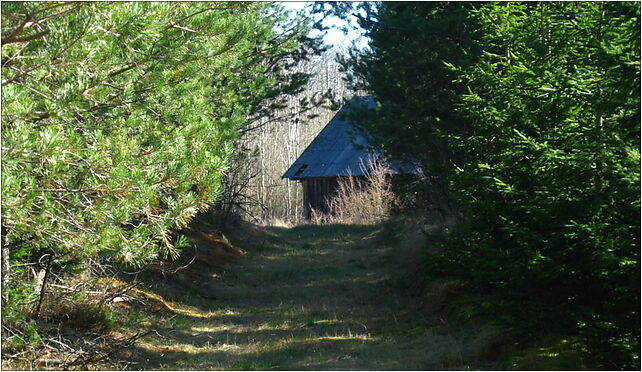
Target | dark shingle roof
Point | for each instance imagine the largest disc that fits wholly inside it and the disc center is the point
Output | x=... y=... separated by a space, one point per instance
x=339 y=150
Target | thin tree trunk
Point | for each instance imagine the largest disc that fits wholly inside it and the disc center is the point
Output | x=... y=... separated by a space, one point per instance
x=43 y=289
x=5 y=272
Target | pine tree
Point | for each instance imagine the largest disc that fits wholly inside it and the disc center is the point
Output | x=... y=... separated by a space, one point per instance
x=118 y=119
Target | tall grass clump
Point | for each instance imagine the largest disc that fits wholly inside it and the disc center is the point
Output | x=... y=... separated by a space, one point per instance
x=361 y=200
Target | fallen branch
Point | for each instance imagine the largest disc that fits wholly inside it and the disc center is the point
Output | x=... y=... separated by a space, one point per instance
x=64 y=346
x=74 y=290
x=86 y=357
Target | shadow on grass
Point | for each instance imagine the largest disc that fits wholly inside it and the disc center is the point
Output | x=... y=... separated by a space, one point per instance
x=325 y=298
x=323 y=352
x=315 y=297
x=333 y=230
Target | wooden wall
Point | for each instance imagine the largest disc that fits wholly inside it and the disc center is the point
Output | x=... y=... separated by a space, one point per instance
x=315 y=193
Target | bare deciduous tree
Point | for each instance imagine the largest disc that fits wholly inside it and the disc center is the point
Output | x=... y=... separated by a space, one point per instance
x=275 y=143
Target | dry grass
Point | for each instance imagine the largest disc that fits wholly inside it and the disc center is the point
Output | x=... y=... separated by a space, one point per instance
x=312 y=297
x=72 y=331
x=308 y=298
x=282 y=223
x=361 y=201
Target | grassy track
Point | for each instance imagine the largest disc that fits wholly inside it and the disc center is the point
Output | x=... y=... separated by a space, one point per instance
x=310 y=297
x=307 y=298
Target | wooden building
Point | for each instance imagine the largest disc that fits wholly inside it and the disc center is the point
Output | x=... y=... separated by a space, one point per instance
x=337 y=151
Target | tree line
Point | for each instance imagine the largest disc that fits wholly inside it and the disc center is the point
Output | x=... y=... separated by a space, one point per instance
x=528 y=117
x=254 y=185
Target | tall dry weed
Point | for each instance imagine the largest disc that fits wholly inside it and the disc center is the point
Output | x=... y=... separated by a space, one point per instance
x=362 y=201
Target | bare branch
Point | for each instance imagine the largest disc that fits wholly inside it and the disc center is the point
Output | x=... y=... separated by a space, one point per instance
x=13 y=33
x=26 y=38
x=23 y=73
x=107 y=31
x=37 y=92
x=195 y=14
x=124 y=69
x=12 y=36
x=57 y=14
x=184 y=29
x=51 y=7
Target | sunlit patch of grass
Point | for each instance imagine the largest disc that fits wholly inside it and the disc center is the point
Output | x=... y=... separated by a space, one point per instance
x=229 y=328
x=275 y=325
x=350 y=337
x=325 y=321
x=170 y=305
x=553 y=353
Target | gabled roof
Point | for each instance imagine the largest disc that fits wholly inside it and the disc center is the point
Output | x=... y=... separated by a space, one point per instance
x=339 y=150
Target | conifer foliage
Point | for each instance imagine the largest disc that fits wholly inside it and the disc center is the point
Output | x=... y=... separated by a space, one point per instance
x=550 y=180
x=118 y=119
x=538 y=106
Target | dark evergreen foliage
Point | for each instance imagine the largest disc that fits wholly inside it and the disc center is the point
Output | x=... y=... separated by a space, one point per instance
x=531 y=111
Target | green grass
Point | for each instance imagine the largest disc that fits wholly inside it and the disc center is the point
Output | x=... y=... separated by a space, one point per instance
x=307 y=299
x=324 y=298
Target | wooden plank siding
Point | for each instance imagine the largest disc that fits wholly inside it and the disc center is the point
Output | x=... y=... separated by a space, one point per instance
x=316 y=192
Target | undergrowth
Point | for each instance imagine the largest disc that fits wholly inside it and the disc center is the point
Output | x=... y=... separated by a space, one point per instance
x=60 y=333
x=507 y=337
x=361 y=201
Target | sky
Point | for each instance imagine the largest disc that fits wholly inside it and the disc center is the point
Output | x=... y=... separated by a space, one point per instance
x=333 y=36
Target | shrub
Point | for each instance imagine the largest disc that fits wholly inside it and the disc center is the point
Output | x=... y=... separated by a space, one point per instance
x=361 y=201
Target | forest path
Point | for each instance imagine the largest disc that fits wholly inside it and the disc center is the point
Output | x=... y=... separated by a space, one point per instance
x=309 y=297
